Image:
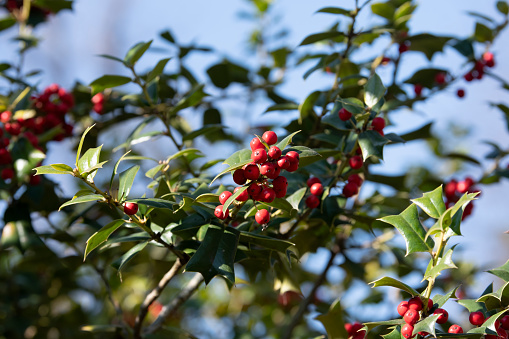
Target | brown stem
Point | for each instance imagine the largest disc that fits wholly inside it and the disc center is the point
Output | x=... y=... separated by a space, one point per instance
x=170 y=309
x=153 y=295
x=305 y=303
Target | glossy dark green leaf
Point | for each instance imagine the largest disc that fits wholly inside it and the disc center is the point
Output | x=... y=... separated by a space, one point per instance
x=157 y=70
x=428 y=44
x=333 y=321
x=207 y=197
x=108 y=81
x=307 y=155
x=101 y=236
x=306 y=109
x=503 y=7
x=440 y=300
x=425 y=77
x=483 y=33
x=464 y=47
x=289 y=106
x=443 y=263
x=426 y=325
x=497 y=299
x=286 y=141
x=310 y=39
x=410 y=227
x=472 y=305
x=394 y=334
x=124 y=259
x=88 y=161
x=216 y=254
x=371 y=325
x=185 y=152
x=82 y=199
x=111 y=57
x=225 y=73
x=432 y=203
x=502 y=272
x=154 y=202
x=53 y=169
x=136 y=52
x=234 y=196
x=352 y=105
x=281 y=204
x=462 y=157
x=388 y=281
x=334 y=10
x=265 y=241
x=372 y=144
x=374 y=90
x=296 y=197
x=384 y=9
x=80 y=145
x=126 y=180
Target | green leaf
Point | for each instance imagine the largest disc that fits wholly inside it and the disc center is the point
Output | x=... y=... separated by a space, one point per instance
x=443 y=263
x=504 y=110
x=502 y=272
x=101 y=236
x=374 y=90
x=185 y=152
x=333 y=321
x=108 y=81
x=265 y=241
x=7 y=22
x=94 y=168
x=503 y=7
x=216 y=254
x=283 y=143
x=157 y=70
x=307 y=155
x=310 y=39
x=154 y=202
x=307 y=107
x=472 y=305
x=82 y=199
x=371 y=325
x=223 y=74
x=123 y=260
x=352 y=105
x=425 y=77
x=410 y=227
x=54 y=169
x=428 y=44
x=126 y=180
x=334 y=10
x=427 y=325
x=384 y=9
x=497 y=299
x=483 y=33
x=371 y=144
x=80 y=146
x=288 y=106
x=88 y=161
x=202 y=131
x=280 y=204
x=207 y=197
x=136 y=52
x=440 y=300
x=432 y=203
x=465 y=47
x=54 y=6
x=394 y=334
x=296 y=197
x=388 y=281
x=233 y=197
x=111 y=57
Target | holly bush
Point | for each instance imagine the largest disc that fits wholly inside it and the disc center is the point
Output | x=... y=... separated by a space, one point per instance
x=178 y=229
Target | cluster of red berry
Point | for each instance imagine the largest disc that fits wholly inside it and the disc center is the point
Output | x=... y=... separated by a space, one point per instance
x=316 y=190
x=477 y=72
x=98 y=101
x=50 y=109
x=268 y=162
x=412 y=311
x=453 y=190
x=353 y=331
x=352 y=186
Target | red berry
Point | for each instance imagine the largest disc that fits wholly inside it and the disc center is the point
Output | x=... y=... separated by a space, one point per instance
x=254 y=189
x=294 y=165
x=244 y=196
x=312 y=201
x=488 y=59
x=418 y=89
x=385 y=60
x=350 y=189
x=444 y=315
x=504 y=322
x=415 y=303
x=403 y=48
x=316 y=189
x=344 y=115
x=283 y=162
x=460 y=93
x=378 y=124
x=440 y=78
x=464 y=185
x=313 y=180
x=280 y=193
x=430 y=304
x=34 y=180
x=355 y=162
x=13 y=128
x=356 y=327
x=476 y=318
x=348 y=328
x=402 y=308
x=238 y=177
x=269 y=137
x=280 y=183
x=356 y=179
x=411 y=317
x=218 y=212
x=268 y=195
x=252 y=172
x=224 y=196
x=469 y=76
x=262 y=216
x=5 y=157
x=292 y=156
x=7 y=173
x=274 y=152
x=267 y=169
x=130 y=208
x=255 y=144
x=259 y=155
x=455 y=329
x=5 y=116
x=450 y=189
x=407 y=330
x=98 y=99
x=501 y=333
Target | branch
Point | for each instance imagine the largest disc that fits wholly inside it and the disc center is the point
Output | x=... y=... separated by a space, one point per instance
x=305 y=303
x=152 y=296
x=170 y=309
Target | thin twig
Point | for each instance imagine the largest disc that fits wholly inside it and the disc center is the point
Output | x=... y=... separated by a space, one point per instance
x=170 y=309
x=153 y=295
